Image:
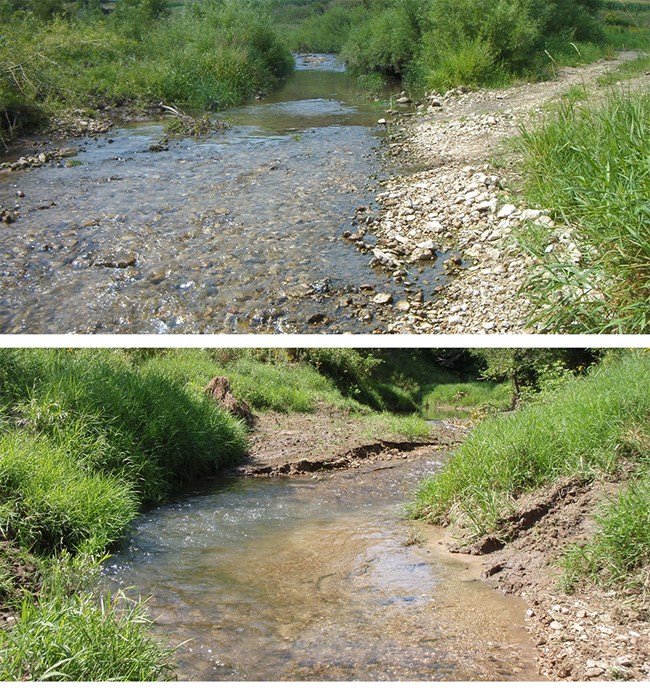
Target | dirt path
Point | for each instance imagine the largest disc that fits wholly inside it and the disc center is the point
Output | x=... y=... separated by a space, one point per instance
x=460 y=202
x=287 y=444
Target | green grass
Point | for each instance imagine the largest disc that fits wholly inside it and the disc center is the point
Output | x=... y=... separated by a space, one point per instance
x=465 y=395
x=590 y=167
x=580 y=429
x=385 y=425
x=81 y=637
x=88 y=439
x=619 y=552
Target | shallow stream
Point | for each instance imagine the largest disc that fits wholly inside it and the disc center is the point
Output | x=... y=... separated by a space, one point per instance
x=238 y=231
x=318 y=578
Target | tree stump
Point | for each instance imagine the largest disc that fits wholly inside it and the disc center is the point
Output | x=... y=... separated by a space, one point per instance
x=219 y=390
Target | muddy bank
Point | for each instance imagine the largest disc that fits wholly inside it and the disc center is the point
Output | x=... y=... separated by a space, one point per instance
x=460 y=203
x=287 y=444
x=590 y=634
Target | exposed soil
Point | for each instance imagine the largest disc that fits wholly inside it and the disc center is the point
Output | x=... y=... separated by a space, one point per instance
x=591 y=634
x=17 y=573
x=286 y=444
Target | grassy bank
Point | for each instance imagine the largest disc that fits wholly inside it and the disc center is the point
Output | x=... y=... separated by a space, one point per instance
x=589 y=166
x=204 y=56
x=589 y=426
x=87 y=439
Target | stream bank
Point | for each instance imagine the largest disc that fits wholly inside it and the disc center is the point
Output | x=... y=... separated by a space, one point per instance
x=461 y=202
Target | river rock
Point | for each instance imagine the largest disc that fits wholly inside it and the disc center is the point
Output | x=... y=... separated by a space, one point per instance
x=506 y=211
x=383 y=298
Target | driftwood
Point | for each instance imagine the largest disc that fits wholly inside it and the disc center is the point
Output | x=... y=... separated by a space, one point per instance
x=219 y=390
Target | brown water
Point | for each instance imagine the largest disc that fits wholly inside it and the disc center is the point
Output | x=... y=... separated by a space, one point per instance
x=239 y=231
x=316 y=579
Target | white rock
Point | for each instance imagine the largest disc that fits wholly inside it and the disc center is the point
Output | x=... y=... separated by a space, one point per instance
x=531 y=215
x=507 y=211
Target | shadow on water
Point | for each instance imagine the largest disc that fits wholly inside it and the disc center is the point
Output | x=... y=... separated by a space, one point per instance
x=318 y=578
x=239 y=231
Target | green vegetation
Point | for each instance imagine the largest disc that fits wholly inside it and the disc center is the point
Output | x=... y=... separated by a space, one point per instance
x=439 y=44
x=582 y=427
x=67 y=634
x=86 y=439
x=206 y=55
x=589 y=166
x=619 y=552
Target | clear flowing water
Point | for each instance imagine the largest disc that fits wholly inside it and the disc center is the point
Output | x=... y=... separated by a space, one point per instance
x=239 y=231
x=316 y=578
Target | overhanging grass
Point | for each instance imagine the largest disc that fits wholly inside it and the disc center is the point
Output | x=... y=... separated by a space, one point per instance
x=578 y=430
x=88 y=439
x=590 y=166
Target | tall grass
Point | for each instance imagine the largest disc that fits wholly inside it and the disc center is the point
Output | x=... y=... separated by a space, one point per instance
x=590 y=166
x=82 y=639
x=88 y=439
x=580 y=429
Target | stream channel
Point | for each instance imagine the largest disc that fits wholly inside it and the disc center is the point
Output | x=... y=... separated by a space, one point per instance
x=238 y=231
x=318 y=577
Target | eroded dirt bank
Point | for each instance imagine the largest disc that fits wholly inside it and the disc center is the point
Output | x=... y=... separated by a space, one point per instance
x=590 y=634
x=460 y=202
x=303 y=443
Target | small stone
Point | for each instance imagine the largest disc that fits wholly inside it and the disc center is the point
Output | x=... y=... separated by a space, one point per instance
x=381 y=121
x=506 y=211
x=626 y=661
x=594 y=672
x=20 y=194
x=531 y=215
x=383 y=298
x=555 y=625
x=403 y=305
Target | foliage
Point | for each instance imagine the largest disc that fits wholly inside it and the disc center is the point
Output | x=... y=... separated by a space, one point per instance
x=206 y=56
x=82 y=637
x=590 y=167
